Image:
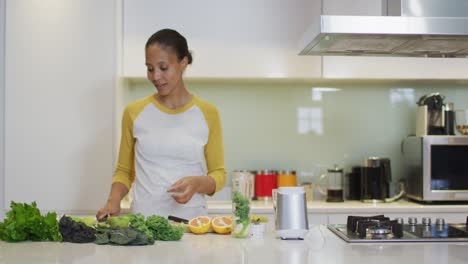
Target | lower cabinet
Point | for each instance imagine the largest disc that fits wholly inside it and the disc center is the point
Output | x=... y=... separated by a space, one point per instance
x=318 y=219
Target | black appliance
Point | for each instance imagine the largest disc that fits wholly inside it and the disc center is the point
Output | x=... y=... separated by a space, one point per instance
x=434 y=117
x=375 y=179
x=353 y=180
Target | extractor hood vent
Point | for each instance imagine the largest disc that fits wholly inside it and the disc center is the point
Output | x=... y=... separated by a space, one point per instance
x=405 y=33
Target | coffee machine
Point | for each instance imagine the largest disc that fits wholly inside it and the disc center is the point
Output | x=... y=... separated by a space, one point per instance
x=434 y=117
x=375 y=179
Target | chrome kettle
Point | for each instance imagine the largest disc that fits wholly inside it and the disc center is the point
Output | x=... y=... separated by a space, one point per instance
x=290 y=208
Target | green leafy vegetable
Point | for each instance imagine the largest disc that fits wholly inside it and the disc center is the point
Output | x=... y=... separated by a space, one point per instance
x=162 y=230
x=241 y=214
x=25 y=222
x=242 y=208
x=88 y=220
x=75 y=231
x=122 y=236
x=156 y=227
x=137 y=221
x=118 y=221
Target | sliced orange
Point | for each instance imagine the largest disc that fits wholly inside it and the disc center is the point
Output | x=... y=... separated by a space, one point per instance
x=200 y=224
x=222 y=224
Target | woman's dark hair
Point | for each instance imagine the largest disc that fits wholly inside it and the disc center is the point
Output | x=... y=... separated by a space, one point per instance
x=170 y=38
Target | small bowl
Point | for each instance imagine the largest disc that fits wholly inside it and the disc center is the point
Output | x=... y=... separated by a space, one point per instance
x=461 y=121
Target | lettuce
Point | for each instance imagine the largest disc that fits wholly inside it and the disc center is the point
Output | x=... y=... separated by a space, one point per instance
x=25 y=222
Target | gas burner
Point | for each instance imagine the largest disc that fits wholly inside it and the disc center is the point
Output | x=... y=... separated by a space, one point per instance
x=352 y=223
x=380 y=229
x=375 y=227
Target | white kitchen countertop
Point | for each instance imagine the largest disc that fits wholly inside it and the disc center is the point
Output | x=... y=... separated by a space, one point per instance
x=348 y=207
x=320 y=246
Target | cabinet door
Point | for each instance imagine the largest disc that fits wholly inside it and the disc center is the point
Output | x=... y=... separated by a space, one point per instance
x=228 y=39
x=60 y=81
x=347 y=67
x=352 y=8
x=317 y=219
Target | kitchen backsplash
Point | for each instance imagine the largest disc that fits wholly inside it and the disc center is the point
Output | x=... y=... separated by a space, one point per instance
x=307 y=127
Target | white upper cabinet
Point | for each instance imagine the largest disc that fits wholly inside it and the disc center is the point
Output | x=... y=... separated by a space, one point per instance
x=344 y=67
x=228 y=39
x=352 y=8
x=259 y=39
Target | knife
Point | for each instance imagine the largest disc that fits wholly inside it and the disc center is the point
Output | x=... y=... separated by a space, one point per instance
x=177 y=219
x=104 y=219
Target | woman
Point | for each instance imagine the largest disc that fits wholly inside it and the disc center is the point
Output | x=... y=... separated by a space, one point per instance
x=171 y=149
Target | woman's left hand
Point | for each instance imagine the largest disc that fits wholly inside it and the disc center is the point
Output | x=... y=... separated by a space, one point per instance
x=186 y=187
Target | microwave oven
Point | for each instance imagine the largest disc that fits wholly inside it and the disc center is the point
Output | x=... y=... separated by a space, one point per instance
x=436 y=168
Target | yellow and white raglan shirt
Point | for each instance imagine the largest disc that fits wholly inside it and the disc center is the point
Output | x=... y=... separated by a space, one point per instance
x=160 y=145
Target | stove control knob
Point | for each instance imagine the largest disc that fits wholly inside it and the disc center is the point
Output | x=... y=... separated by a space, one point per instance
x=426 y=221
x=412 y=220
x=399 y=220
x=440 y=221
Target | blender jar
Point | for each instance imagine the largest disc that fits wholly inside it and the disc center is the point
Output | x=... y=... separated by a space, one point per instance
x=241 y=198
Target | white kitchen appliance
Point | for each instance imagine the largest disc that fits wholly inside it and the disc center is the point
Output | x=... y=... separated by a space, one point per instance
x=290 y=208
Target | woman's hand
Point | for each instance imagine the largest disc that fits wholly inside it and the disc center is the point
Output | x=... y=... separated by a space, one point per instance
x=185 y=188
x=110 y=209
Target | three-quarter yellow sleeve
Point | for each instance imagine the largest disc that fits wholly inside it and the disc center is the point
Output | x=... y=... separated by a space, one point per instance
x=125 y=170
x=214 y=148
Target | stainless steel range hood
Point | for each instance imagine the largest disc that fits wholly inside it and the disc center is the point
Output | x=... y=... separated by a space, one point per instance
x=409 y=28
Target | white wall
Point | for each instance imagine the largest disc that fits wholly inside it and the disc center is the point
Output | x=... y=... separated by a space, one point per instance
x=60 y=81
x=229 y=39
x=2 y=102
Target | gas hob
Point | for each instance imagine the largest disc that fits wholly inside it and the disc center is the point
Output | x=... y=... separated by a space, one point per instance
x=376 y=229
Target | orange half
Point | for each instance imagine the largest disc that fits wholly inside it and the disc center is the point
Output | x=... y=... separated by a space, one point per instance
x=222 y=224
x=200 y=224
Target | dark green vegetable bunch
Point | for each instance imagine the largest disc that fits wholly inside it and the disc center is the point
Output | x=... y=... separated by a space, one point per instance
x=242 y=207
x=76 y=232
x=241 y=214
x=162 y=230
x=25 y=222
x=138 y=222
x=122 y=236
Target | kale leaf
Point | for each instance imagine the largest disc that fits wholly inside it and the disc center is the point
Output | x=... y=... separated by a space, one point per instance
x=76 y=232
x=137 y=221
x=163 y=230
x=122 y=236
